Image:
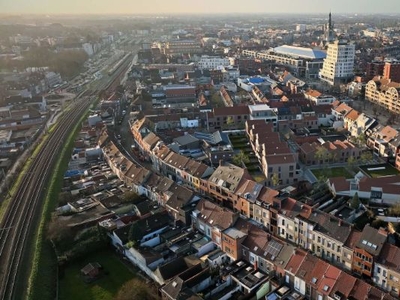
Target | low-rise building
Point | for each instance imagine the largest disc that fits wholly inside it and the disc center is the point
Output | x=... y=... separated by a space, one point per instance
x=386 y=272
x=367 y=250
x=317 y=98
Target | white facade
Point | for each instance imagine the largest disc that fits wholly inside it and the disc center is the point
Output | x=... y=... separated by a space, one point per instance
x=263 y=112
x=212 y=62
x=339 y=63
x=230 y=73
x=380 y=275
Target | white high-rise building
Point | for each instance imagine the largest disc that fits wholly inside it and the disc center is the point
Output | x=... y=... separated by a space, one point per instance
x=338 y=65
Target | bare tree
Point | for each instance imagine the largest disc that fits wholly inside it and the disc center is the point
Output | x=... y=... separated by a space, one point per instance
x=134 y=289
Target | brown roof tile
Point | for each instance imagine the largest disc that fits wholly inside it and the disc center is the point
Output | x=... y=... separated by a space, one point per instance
x=295 y=261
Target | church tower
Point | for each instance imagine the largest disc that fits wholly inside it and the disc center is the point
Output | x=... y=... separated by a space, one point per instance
x=329 y=33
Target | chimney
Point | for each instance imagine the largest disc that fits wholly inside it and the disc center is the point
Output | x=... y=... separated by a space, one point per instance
x=340 y=222
x=221 y=162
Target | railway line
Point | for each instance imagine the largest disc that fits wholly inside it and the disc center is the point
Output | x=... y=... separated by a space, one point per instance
x=27 y=201
x=26 y=204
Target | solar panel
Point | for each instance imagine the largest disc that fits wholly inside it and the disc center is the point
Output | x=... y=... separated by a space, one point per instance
x=273 y=248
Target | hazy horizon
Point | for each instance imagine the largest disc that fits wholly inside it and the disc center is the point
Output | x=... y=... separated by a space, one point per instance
x=196 y=7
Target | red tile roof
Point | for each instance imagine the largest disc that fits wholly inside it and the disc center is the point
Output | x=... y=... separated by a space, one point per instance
x=295 y=261
x=344 y=284
x=328 y=280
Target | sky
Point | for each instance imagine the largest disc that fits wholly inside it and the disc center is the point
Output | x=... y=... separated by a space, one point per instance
x=196 y=6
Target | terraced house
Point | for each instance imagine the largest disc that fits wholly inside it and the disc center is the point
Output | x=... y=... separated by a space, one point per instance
x=262 y=226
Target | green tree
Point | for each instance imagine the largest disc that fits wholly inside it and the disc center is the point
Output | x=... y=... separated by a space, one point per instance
x=351 y=162
x=240 y=158
x=134 y=289
x=366 y=156
x=131 y=197
x=275 y=179
x=355 y=201
x=216 y=100
x=321 y=154
x=361 y=139
x=230 y=121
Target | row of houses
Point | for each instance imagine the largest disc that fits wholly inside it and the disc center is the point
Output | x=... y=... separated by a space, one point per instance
x=236 y=194
x=232 y=187
x=384 y=141
x=321 y=238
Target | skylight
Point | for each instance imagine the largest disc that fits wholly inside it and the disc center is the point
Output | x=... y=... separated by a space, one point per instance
x=314 y=280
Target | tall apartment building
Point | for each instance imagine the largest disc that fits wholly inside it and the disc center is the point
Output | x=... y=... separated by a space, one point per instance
x=339 y=63
x=391 y=70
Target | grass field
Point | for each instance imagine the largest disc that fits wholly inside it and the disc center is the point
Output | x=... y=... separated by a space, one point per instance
x=388 y=171
x=73 y=287
x=332 y=172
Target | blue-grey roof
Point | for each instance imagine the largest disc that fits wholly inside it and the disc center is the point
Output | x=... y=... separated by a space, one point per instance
x=300 y=52
x=216 y=138
x=256 y=80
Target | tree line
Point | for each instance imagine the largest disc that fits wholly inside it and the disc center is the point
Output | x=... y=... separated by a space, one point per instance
x=68 y=63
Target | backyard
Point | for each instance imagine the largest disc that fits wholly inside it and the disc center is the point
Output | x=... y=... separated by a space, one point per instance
x=381 y=170
x=241 y=143
x=332 y=172
x=72 y=286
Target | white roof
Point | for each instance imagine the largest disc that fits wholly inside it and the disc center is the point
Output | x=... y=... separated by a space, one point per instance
x=300 y=52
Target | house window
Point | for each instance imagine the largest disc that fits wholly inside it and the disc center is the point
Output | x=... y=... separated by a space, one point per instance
x=283 y=222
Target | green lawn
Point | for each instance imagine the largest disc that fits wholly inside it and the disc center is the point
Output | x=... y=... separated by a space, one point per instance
x=258 y=177
x=332 y=172
x=73 y=287
x=388 y=171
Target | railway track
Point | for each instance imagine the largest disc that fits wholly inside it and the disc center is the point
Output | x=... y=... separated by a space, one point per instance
x=27 y=201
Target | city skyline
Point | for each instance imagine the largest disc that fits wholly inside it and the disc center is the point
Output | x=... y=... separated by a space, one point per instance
x=194 y=7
